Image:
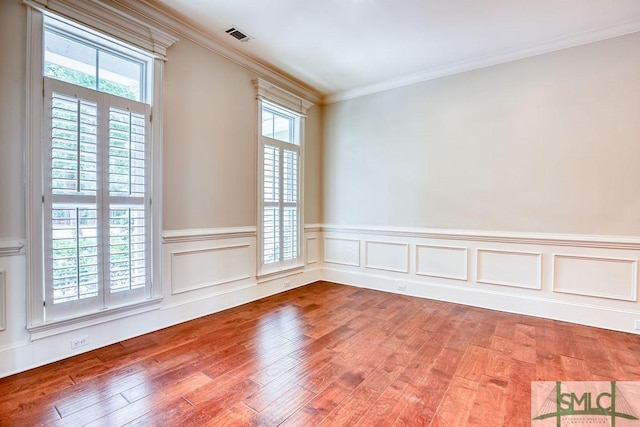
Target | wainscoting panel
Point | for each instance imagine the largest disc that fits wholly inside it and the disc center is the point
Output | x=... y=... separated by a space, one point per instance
x=590 y=280
x=509 y=268
x=342 y=251
x=614 y=278
x=448 y=262
x=312 y=250
x=389 y=256
x=201 y=268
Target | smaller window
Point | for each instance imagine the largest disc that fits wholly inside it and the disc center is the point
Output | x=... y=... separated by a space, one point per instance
x=281 y=213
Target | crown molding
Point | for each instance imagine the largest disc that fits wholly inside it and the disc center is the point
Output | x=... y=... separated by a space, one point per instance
x=190 y=32
x=487 y=61
x=110 y=20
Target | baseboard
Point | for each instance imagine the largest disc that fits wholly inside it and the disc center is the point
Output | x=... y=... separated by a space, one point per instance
x=583 y=314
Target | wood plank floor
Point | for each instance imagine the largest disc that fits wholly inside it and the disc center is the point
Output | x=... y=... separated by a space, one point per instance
x=324 y=354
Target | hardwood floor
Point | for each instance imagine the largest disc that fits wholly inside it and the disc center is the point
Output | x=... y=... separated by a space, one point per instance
x=324 y=354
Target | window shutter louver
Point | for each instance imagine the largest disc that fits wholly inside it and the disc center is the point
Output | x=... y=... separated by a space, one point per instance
x=290 y=205
x=271 y=202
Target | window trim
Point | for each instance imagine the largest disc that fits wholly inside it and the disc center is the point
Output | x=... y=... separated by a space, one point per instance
x=298 y=106
x=120 y=26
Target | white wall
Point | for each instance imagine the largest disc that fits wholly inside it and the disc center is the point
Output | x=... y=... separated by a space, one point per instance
x=209 y=211
x=12 y=109
x=544 y=144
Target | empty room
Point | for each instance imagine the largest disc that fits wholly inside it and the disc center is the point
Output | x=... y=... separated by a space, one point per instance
x=301 y=213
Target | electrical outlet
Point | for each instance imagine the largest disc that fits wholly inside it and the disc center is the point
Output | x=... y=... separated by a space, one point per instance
x=287 y=284
x=402 y=288
x=637 y=326
x=80 y=341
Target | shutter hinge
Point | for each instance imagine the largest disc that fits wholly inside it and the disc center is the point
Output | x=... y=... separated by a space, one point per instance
x=43 y=198
x=44 y=303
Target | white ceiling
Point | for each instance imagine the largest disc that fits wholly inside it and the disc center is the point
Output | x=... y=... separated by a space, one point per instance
x=343 y=48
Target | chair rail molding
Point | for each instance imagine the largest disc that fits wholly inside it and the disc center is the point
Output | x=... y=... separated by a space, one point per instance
x=11 y=247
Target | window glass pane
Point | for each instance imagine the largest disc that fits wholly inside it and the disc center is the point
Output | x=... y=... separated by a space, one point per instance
x=277 y=124
x=282 y=128
x=267 y=123
x=67 y=60
x=120 y=76
x=94 y=61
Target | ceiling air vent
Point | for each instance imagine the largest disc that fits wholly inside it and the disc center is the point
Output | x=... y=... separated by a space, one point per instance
x=236 y=33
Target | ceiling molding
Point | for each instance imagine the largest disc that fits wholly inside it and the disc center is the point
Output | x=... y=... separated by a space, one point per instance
x=112 y=21
x=189 y=32
x=486 y=61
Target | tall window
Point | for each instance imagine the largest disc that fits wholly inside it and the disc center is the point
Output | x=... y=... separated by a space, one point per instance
x=280 y=158
x=92 y=233
x=280 y=204
x=96 y=193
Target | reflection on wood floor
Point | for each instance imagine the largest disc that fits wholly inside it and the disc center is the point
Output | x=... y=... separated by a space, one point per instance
x=323 y=354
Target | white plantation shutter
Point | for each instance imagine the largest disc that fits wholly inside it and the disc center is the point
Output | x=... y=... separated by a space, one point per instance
x=280 y=167
x=128 y=200
x=271 y=202
x=289 y=205
x=96 y=200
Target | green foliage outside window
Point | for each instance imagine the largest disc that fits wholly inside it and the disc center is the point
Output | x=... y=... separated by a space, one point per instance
x=88 y=80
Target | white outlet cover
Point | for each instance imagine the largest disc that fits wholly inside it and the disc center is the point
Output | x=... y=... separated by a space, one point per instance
x=79 y=342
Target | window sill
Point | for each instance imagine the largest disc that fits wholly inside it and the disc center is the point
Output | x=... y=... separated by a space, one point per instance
x=267 y=275
x=57 y=327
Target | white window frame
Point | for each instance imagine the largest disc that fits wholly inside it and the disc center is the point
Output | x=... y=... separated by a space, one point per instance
x=293 y=105
x=116 y=24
